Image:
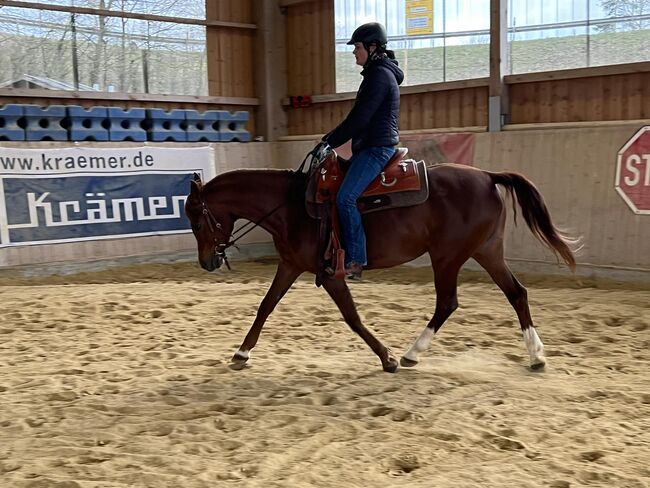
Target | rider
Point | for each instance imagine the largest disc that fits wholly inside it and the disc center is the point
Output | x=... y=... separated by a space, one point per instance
x=372 y=126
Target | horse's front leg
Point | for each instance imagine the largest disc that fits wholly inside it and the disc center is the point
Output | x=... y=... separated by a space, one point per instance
x=340 y=293
x=285 y=276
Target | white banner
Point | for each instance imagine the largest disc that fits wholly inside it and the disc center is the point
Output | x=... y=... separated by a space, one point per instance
x=55 y=195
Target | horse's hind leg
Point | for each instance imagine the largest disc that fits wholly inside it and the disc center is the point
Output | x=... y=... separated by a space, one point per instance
x=284 y=278
x=340 y=293
x=446 y=283
x=493 y=262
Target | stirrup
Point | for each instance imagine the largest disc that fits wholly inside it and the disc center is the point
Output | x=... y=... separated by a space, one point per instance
x=353 y=272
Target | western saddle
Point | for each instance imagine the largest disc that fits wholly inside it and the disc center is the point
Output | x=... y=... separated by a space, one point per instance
x=403 y=182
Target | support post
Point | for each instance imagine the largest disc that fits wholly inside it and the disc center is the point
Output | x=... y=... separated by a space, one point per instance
x=498 y=103
x=270 y=69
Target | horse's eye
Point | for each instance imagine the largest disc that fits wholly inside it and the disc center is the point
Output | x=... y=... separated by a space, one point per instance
x=196 y=227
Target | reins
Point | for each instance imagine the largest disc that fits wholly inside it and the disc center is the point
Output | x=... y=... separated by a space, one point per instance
x=214 y=225
x=317 y=154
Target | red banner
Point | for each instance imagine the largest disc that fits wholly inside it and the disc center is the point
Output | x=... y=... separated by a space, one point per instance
x=441 y=148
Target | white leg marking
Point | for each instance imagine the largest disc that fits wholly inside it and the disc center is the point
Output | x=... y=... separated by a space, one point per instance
x=535 y=347
x=420 y=345
x=242 y=354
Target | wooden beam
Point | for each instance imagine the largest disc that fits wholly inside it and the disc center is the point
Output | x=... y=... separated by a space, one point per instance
x=291 y=3
x=145 y=97
x=127 y=15
x=498 y=104
x=568 y=74
x=406 y=133
x=577 y=125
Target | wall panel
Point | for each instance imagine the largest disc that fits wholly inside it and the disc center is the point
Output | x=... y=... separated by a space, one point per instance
x=310 y=48
x=230 y=50
x=609 y=97
x=574 y=170
x=466 y=107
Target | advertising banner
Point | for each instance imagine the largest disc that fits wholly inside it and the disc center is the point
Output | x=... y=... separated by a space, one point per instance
x=55 y=195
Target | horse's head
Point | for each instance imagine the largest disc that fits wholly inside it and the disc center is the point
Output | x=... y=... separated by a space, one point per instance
x=211 y=225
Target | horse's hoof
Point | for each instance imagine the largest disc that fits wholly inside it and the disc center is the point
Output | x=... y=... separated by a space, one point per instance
x=237 y=365
x=538 y=364
x=391 y=365
x=407 y=363
x=238 y=361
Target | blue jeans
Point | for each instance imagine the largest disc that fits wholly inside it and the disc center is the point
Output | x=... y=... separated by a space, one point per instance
x=365 y=166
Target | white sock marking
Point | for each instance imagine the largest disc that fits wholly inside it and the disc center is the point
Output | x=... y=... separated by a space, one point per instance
x=421 y=344
x=242 y=354
x=534 y=346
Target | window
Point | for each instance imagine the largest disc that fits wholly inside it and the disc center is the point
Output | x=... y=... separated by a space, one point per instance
x=47 y=49
x=456 y=49
x=548 y=35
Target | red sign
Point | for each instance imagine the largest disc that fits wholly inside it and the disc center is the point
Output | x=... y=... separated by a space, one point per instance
x=633 y=172
x=300 y=101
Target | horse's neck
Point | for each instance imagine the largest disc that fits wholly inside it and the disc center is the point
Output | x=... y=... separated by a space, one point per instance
x=255 y=195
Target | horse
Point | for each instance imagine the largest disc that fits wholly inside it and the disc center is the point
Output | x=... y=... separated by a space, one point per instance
x=464 y=217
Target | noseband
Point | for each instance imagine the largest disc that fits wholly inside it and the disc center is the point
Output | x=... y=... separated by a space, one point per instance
x=214 y=225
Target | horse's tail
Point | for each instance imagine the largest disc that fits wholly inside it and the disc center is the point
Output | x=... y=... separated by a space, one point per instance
x=536 y=214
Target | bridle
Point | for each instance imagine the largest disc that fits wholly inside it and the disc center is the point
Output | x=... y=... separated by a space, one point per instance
x=231 y=240
x=214 y=225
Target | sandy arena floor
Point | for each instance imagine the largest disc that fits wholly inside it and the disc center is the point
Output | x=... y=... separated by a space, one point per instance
x=120 y=379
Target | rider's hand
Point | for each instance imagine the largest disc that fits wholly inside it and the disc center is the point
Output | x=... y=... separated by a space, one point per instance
x=321 y=150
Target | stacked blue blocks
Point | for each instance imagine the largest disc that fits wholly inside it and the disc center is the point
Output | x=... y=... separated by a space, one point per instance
x=232 y=126
x=202 y=127
x=75 y=123
x=166 y=126
x=126 y=125
x=88 y=124
x=9 y=119
x=45 y=124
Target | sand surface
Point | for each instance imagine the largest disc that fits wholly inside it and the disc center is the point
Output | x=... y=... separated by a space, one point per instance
x=120 y=379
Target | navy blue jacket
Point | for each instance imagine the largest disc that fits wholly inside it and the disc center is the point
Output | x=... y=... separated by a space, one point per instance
x=374 y=116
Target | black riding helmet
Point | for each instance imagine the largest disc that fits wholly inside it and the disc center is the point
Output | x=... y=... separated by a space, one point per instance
x=369 y=33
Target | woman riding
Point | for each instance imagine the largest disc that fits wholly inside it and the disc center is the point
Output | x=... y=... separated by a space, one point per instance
x=372 y=124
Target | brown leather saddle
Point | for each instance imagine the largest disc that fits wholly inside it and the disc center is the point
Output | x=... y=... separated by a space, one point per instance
x=403 y=183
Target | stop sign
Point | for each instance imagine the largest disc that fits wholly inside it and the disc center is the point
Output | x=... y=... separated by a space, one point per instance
x=633 y=172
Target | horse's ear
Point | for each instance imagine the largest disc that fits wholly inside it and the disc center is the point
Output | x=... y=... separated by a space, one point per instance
x=195 y=187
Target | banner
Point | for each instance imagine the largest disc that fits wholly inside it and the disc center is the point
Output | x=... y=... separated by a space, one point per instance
x=55 y=195
x=450 y=147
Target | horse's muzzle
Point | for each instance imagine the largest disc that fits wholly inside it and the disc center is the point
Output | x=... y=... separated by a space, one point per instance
x=213 y=263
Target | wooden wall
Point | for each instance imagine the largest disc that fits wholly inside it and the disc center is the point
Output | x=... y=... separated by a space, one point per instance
x=461 y=107
x=310 y=48
x=604 y=97
x=230 y=50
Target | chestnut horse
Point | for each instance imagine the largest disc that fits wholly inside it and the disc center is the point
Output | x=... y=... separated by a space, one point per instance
x=463 y=217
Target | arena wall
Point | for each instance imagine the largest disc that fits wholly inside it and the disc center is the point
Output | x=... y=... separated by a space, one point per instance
x=574 y=168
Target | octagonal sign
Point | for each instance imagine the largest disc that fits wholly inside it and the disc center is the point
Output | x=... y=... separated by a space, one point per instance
x=633 y=172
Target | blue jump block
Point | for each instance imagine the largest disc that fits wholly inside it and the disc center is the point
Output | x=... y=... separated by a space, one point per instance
x=126 y=125
x=166 y=126
x=88 y=124
x=202 y=126
x=232 y=126
x=45 y=124
x=10 y=130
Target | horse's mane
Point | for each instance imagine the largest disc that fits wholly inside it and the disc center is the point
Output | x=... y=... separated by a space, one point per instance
x=297 y=180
